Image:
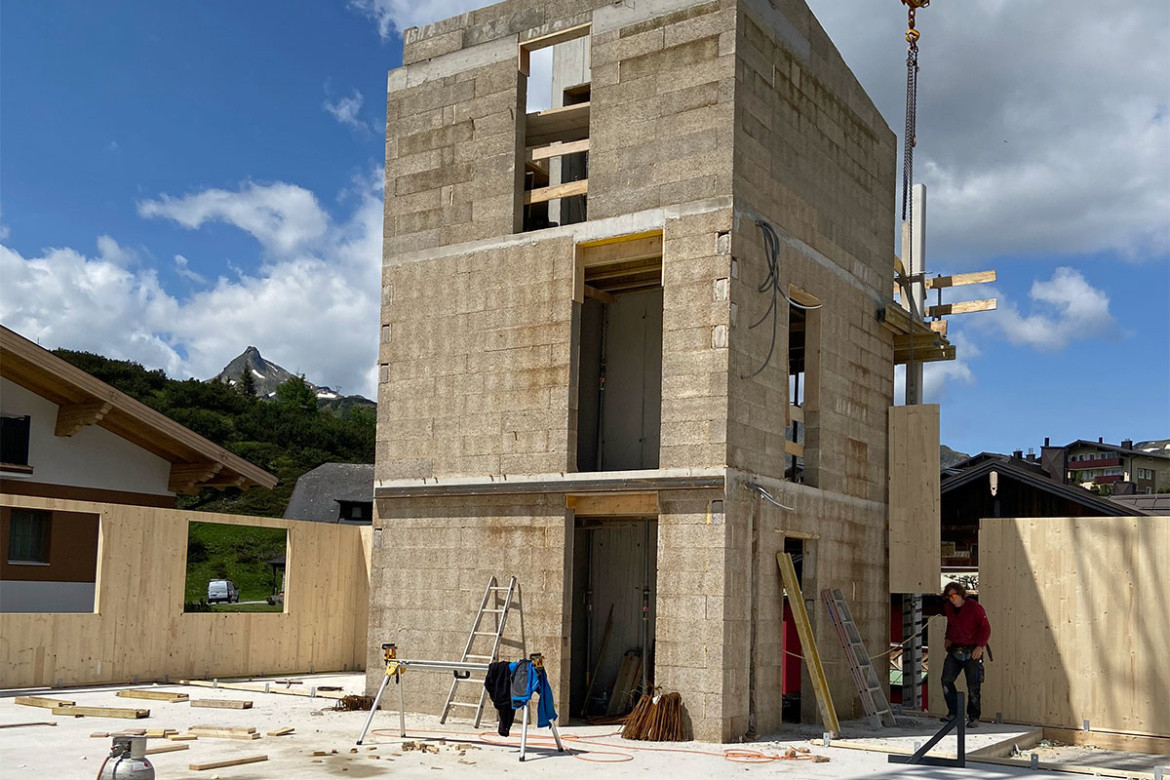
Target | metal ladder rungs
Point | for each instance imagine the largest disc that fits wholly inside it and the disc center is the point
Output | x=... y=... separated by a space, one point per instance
x=464 y=704
x=480 y=657
x=484 y=633
x=491 y=610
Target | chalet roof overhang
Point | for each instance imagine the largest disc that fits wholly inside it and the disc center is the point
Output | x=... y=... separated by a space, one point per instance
x=84 y=400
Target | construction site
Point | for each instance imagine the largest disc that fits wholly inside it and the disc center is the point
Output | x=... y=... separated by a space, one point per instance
x=638 y=432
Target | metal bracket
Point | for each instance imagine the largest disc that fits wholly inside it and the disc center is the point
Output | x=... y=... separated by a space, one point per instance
x=959 y=723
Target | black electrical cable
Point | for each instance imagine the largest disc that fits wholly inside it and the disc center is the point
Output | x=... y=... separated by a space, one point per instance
x=771 y=284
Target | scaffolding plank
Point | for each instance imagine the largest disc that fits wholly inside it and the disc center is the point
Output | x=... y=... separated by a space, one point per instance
x=808 y=643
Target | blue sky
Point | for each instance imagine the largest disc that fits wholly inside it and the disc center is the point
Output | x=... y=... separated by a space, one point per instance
x=179 y=180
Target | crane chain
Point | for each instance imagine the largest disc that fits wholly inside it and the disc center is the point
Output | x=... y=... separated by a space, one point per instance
x=910 y=139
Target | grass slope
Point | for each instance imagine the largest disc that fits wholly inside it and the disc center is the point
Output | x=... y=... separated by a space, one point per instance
x=232 y=552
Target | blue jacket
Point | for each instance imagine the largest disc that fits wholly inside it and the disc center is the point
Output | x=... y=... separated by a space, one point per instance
x=537 y=682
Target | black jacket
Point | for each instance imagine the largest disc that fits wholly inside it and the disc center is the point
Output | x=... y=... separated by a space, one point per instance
x=498 y=683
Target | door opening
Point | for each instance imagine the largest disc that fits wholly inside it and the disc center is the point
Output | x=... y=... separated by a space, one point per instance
x=793 y=665
x=614 y=592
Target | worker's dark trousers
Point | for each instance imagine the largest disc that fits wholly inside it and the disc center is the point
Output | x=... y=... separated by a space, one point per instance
x=974 y=672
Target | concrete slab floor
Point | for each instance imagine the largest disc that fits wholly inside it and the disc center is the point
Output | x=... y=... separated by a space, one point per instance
x=67 y=752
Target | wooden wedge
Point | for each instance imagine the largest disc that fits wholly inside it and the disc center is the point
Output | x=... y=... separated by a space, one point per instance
x=282 y=732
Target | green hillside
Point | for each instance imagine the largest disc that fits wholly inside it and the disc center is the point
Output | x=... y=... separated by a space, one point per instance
x=237 y=553
x=287 y=436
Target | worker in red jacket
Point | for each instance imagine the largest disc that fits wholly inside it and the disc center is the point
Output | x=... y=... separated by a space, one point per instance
x=966 y=640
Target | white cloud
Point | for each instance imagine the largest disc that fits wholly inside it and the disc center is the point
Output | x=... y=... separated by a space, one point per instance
x=394 y=16
x=284 y=218
x=111 y=251
x=346 y=110
x=314 y=311
x=1040 y=132
x=183 y=269
x=1066 y=308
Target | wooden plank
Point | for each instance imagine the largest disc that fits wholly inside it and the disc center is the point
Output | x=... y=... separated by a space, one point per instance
x=209 y=727
x=808 y=644
x=795 y=413
x=632 y=248
x=537 y=153
x=939 y=327
x=102 y=712
x=1005 y=747
x=567 y=190
x=794 y=449
x=607 y=505
x=182 y=737
x=957 y=280
x=566 y=123
x=22 y=725
x=224 y=734
x=1105 y=740
x=42 y=702
x=225 y=764
x=166 y=749
x=915 y=553
x=167 y=696
x=594 y=294
x=963 y=307
x=159 y=733
x=284 y=732
x=557 y=38
x=1064 y=597
x=899 y=267
x=222 y=704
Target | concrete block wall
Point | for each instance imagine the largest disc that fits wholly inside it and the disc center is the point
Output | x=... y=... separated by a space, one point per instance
x=662 y=103
x=431 y=562
x=476 y=354
x=697 y=105
x=814 y=158
x=451 y=155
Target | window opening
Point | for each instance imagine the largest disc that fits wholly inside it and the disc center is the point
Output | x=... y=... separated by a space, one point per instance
x=48 y=561
x=235 y=568
x=556 y=138
x=14 y=437
x=803 y=382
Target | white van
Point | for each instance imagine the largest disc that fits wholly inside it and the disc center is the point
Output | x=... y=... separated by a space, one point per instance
x=222 y=591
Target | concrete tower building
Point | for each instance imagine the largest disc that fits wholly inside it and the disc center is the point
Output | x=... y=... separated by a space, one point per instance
x=636 y=344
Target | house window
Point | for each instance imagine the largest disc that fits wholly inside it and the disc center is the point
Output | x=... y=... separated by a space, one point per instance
x=28 y=536
x=14 y=440
x=355 y=511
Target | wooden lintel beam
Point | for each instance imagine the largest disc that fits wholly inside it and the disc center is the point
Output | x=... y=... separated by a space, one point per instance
x=610 y=505
x=71 y=418
x=556 y=38
x=645 y=248
x=957 y=280
x=963 y=307
x=567 y=190
x=186 y=476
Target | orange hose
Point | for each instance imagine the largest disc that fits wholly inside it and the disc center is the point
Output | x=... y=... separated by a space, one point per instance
x=735 y=755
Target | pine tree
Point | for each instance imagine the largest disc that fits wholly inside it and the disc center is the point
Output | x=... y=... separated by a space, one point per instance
x=247 y=386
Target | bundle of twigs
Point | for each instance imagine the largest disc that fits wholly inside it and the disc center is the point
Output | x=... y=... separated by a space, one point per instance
x=656 y=719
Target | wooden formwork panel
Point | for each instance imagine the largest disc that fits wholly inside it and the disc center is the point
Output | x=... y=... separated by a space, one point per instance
x=915 y=510
x=140 y=630
x=1080 y=622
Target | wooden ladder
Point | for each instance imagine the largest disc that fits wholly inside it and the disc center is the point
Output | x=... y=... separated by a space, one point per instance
x=499 y=609
x=873 y=694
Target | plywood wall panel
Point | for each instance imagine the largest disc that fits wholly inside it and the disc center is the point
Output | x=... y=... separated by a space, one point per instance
x=1080 y=621
x=140 y=628
x=915 y=513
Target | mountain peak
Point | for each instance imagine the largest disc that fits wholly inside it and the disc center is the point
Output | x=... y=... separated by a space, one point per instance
x=266 y=375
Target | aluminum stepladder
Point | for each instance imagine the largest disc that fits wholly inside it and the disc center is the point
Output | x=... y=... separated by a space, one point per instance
x=873 y=696
x=499 y=609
